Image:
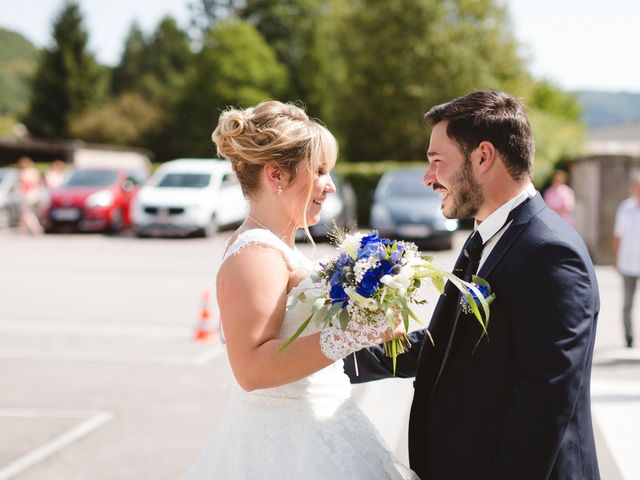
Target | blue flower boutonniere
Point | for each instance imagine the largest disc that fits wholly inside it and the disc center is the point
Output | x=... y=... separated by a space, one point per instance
x=478 y=292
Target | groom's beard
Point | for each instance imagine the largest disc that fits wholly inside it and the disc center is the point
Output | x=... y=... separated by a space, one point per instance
x=466 y=194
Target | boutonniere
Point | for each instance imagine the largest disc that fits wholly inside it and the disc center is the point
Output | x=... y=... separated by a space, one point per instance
x=479 y=292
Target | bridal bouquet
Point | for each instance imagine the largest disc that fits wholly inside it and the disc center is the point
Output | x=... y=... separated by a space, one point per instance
x=370 y=279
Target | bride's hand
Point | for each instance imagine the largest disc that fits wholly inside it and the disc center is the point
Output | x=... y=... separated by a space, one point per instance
x=397 y=331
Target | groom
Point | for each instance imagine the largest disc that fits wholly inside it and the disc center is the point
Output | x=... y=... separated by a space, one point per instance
x=516 y=404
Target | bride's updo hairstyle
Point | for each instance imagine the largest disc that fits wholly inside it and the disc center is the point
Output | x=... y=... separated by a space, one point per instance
x=272 y=132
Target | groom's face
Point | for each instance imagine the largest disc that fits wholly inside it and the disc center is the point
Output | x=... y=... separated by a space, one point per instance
x=451 y=175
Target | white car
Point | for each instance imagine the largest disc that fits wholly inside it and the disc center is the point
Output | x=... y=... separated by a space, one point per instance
x=187 y=196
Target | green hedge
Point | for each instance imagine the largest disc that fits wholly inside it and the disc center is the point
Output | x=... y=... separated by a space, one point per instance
x=363 y=177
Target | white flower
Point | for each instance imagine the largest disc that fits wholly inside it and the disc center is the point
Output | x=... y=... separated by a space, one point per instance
x=351 y=244
x=318 y=303
x=401 y=281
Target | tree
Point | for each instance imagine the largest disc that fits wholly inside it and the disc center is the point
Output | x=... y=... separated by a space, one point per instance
x=551 y=99
x=235 y=68
x=154 y=67
x=131 y=67
x=557 y=127
x=205 y=15
x=397 y=59
x=129 y=119
x=296 y=30
x=18 y=60
x=145 y=83
x=68 y=78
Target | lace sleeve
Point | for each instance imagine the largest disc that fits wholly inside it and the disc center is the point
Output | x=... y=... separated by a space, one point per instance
x=336 y=343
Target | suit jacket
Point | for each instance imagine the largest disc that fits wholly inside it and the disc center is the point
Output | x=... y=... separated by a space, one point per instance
x=517 y=404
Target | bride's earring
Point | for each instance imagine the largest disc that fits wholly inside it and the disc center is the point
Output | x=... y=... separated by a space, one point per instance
x=279 y=189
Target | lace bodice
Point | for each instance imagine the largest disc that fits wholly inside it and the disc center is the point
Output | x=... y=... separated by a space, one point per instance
x=328 y=382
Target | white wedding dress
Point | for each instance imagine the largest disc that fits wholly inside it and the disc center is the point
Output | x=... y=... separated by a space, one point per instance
x=310 y=429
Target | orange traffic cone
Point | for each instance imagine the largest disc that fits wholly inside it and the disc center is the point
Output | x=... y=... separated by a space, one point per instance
x=205 y=331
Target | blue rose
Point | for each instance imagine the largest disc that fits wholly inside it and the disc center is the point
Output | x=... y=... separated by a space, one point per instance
x=336 y=278
x=369 y=284
x=383 y=269
x=373 y=237
x=371 y=280
x=338 y=295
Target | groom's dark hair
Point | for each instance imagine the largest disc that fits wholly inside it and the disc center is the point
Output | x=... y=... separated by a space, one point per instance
x=489 y=115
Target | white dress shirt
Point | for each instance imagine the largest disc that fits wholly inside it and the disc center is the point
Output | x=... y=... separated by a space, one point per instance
x=493 y=227
x=627 y=229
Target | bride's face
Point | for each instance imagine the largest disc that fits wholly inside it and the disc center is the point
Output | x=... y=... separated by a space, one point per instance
x=298 y=191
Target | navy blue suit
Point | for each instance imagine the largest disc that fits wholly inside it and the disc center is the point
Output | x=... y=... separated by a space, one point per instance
x=517 y=406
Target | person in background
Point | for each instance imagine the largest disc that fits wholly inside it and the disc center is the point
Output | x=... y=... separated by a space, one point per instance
x=55 y=175
x=560 y=197
x=30 y=183
x=626 y=244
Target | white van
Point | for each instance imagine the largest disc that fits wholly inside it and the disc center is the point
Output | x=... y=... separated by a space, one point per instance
x=189 y=195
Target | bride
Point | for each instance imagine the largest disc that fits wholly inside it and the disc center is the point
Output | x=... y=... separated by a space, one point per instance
x=290 y=414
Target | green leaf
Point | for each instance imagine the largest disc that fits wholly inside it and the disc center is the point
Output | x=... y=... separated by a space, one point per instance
x=343 y=318
x=333 y=310
x=438 y=283
x=295 y=335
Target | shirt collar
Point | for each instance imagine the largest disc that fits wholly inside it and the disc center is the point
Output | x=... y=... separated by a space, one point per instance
x=494 y=222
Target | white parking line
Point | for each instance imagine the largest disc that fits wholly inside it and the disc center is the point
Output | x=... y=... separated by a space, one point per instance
x=95 y=421
x=197 y=359
x=75 y=328
x=616 y=408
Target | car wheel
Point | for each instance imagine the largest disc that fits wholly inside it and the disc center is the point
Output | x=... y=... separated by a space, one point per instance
x=116 y=221
x=447 y=244
x=212 y=228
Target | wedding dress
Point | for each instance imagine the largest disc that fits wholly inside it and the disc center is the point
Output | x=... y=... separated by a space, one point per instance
x=309 y=429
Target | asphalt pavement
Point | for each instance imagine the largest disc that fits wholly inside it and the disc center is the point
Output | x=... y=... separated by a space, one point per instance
x=101 y=378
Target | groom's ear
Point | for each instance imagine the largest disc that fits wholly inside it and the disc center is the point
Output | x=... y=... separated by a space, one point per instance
x=486 y=156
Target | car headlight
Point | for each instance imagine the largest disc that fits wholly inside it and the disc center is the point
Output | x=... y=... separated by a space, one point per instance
x=380 y=216
x=103 y=198
x=451 y=224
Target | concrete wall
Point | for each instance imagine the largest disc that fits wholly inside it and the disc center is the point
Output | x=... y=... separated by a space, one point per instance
x=600 y=183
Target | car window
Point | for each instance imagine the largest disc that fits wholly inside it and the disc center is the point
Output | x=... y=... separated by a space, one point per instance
x=184 y=180
x=407 y=184
x=91 y=178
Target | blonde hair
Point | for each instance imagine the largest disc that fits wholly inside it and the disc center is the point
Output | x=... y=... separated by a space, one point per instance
x=272 y=132
x=275 y=133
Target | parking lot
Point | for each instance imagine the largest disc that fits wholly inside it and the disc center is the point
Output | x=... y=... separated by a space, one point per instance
x=101 y=377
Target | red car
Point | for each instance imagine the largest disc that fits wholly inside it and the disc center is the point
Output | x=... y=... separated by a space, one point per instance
x=94 y=199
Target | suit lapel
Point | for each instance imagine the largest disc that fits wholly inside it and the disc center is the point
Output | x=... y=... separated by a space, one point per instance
x=522 y=217
x=532 y=207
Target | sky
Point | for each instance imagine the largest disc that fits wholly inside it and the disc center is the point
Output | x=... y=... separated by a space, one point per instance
x=577 y=44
